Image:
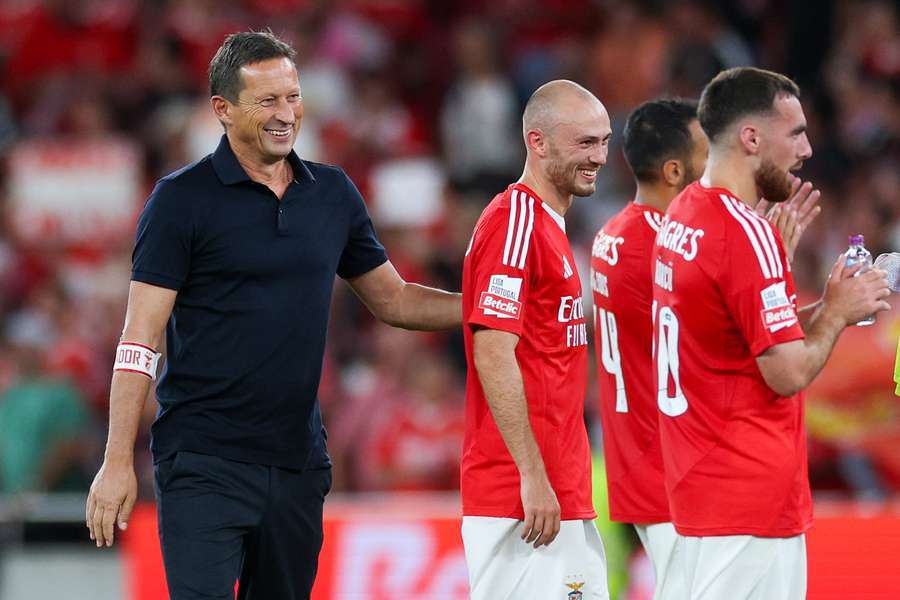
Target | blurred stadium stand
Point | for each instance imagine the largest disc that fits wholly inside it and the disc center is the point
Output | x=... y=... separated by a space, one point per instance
x=419 y=100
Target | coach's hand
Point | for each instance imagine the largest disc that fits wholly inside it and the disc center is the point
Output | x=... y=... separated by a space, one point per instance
x=541 y=509
x=110 y=501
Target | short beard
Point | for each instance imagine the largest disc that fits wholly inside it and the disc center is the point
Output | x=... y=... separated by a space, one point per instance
x=562 y=176
x=772 y=183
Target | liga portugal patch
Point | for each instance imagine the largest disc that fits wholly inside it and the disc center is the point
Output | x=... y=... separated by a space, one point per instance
x=502 y=297
x=778 y=311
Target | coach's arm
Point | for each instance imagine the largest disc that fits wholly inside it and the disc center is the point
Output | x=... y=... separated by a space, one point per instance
x=114 y=489
x=407 y=305
x=494 y=354
x=788 y=368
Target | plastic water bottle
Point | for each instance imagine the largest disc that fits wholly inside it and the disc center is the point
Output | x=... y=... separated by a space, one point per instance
x=856 y=254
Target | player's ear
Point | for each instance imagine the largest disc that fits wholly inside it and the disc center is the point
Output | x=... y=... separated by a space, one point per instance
x=749 y=136
x=673 y=172
x=536 y=142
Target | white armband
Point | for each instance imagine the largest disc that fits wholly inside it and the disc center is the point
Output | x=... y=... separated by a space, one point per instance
x=136 y=358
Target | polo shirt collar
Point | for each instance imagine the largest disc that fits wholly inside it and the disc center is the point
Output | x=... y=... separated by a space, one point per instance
x=230 y=171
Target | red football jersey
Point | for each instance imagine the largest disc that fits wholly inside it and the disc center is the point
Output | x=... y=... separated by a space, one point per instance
x=622 y=287
x=734 y=450
x=519 y=276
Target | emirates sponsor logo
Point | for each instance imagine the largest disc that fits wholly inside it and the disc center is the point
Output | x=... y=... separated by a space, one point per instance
x=499 y=307
x=570 y=309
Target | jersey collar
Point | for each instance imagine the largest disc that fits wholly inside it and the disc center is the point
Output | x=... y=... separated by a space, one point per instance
x=230 y=171
x=556 y=216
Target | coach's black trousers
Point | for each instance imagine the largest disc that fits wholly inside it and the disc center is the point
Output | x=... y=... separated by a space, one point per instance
x=221 y=521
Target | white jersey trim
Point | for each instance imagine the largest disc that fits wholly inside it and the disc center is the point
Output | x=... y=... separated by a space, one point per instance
x=759 y=234
x=556 y=216
x=518 y=229
x=764 y=229
x=777 y=258
x=511 y=226
x=528 y=229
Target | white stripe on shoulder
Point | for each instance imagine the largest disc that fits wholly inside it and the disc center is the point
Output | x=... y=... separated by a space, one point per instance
x=751 y=234
x=653 y=220
x=520 y=230
x=764 y=229
x=511 y=226
x=771 y=236
x=527 y=242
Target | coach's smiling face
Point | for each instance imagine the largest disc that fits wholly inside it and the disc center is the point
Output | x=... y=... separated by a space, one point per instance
x=265 y=120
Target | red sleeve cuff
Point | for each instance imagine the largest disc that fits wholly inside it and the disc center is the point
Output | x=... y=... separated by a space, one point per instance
x=498 y=323
x=782 y=337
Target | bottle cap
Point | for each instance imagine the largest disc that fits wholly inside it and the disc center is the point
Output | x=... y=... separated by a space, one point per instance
x=856 y=240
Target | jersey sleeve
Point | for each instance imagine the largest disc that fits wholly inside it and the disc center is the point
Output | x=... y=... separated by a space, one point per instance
x=502 y=262
x=757 y=283
x=162 y=249
x=363 y=251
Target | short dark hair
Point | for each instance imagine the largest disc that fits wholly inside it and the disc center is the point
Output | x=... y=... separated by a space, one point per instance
x=738 y=92
x=658 y=131
x=239 y=49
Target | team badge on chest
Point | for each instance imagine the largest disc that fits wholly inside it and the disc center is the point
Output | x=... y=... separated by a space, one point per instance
x=575 y=594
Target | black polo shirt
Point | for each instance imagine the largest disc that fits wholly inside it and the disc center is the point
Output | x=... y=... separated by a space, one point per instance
x=254 y=277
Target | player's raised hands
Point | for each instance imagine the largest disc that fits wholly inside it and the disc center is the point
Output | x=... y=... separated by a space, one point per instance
x=852 y=296
x=542 y=510
x=793 y=216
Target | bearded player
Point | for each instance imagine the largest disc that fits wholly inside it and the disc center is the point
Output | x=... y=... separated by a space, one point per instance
x=666 y=150
x=731 y=358
x=528 y=527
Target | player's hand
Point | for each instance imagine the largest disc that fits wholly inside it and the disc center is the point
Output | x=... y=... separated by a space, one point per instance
x=852 y=298
x=793 y=216
x=542 y=510
x=110 y=501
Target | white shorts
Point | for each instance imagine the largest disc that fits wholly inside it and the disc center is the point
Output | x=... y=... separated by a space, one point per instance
x=661 y=542
x=745 y=567
x=503 y=567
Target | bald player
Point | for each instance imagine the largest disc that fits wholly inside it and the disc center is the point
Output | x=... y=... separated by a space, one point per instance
x=528 y=524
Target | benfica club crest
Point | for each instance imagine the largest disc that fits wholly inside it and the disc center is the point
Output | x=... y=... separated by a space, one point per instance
x=575 y=594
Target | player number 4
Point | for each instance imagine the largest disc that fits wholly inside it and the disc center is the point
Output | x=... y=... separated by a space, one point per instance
x=609 y=351
x=667 y=364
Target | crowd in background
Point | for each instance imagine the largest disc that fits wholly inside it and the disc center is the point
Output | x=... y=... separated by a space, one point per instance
x=420 y=102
